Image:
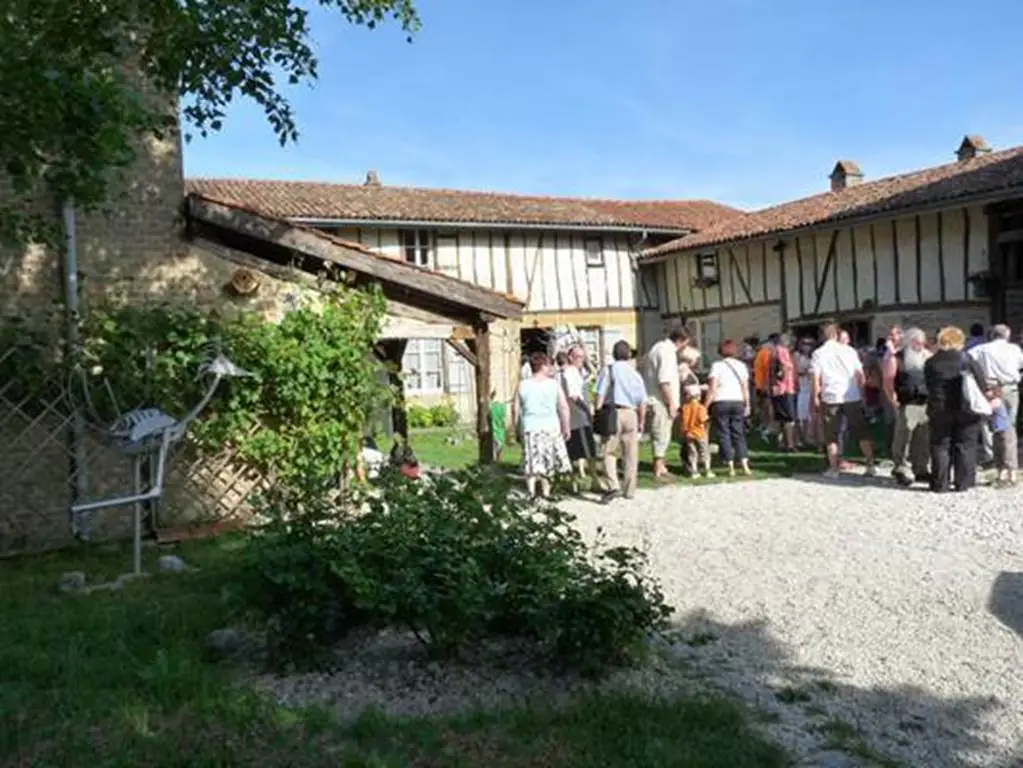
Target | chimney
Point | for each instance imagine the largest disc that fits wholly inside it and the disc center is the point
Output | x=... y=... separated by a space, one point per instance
x=971 y=147
x=845 y=174
x=372 y=180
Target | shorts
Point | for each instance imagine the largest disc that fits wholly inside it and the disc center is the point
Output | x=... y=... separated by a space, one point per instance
x=856 y=421
x=784 y=408
x=660 y=428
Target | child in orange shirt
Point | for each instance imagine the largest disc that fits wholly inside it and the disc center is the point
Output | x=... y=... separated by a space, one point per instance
x=695 y=443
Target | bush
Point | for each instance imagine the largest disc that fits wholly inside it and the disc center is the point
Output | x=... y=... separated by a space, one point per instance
x=443 y=414
x=452 y=558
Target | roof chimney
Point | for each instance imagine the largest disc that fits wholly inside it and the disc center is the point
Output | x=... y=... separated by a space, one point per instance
x=845 y=174
x=971 y=147
x=372 y=180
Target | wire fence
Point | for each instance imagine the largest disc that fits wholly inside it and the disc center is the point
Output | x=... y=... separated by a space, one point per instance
x=54 y=452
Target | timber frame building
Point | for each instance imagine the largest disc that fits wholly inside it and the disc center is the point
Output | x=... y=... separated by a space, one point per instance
x=929 y=248
x=936 y=246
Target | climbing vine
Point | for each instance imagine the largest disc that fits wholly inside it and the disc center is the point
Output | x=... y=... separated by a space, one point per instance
x=314 y=388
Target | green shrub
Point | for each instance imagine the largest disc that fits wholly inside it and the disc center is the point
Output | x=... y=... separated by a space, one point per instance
x=452 y=558
x=442 y=414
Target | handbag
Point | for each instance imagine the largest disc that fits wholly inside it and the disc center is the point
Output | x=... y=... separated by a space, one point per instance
x=578 y=413
x=606 y=424
x=974 y=400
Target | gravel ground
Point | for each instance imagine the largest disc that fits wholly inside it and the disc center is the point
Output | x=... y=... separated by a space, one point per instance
x=883 y=620
x=864 y=621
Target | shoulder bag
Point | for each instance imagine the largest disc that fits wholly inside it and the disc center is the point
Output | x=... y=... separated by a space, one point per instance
x=578 y=413
x=606 y=424
x=974 y=400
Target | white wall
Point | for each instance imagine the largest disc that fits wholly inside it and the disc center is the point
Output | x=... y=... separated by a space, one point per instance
x=549 y=270
x=889 y=265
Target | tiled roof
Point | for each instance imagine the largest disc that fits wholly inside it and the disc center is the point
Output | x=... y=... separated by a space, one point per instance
x=422 y=277
x=315 y=200
x=984 y=176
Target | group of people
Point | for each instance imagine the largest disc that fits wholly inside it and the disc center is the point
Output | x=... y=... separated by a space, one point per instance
x=947 y=404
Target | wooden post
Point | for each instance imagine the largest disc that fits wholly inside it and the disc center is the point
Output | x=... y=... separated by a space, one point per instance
x=399 y=418
x=486 y=439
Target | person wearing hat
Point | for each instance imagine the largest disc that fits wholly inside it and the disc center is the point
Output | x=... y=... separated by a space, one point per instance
x=620 y=387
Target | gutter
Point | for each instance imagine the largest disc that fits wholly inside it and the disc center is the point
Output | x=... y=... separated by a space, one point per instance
x=850 y=221
x=426 y=224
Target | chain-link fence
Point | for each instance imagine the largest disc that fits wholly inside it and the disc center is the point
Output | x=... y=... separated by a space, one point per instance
x=54 y=451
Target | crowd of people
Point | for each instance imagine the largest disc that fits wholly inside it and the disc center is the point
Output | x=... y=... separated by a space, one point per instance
x=940 y=406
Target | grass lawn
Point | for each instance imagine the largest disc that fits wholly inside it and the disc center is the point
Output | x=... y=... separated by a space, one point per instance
x=455 y=448
x=121 y=679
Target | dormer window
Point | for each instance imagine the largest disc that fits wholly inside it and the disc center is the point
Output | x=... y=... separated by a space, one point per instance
x=707 y=267
x=594 y=247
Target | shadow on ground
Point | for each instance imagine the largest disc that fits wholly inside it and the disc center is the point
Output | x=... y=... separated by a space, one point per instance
x=1006 y=601
x=902 y=726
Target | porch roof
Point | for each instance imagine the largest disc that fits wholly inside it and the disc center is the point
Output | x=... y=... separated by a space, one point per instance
x=278 y=241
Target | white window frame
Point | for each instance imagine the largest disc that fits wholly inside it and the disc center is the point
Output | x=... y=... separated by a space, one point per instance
x=416 y=370
x=416 y=246
x=459 y=372
x=591 y=338
x=594 y=248
x=707 y=266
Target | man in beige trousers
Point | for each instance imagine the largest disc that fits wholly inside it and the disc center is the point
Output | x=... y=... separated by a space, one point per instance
x=664 y=392
x=620 y=386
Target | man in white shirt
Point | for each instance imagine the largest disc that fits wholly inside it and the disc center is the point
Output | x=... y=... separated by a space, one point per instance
x=664 y=390
x=1001 y=361
x=836 y=393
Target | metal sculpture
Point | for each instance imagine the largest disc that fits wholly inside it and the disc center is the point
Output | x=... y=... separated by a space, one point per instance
x=147 y=434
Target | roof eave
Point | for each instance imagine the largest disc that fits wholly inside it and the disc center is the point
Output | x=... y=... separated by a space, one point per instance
x=657 y=256
x=332 y=223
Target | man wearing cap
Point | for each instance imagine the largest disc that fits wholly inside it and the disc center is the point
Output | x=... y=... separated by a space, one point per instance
x=621 y=386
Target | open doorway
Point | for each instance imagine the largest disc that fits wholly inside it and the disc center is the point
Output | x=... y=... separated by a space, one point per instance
x=534 y=340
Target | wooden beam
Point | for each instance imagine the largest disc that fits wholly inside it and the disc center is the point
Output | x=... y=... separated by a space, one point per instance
x=292 y=274
x=734 y=265
x=329 y=249
x=827 y=271
x=462 y=350
x=486 y=438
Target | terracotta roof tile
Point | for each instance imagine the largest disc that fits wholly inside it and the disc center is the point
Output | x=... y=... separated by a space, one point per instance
x=983 y=176
x=355 y=246
x=304 y=199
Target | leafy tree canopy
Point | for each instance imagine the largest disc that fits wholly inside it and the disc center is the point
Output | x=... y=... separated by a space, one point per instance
x=73 y=107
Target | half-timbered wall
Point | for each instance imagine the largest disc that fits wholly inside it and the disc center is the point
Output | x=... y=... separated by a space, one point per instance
x=553 y=271
x=908 y=269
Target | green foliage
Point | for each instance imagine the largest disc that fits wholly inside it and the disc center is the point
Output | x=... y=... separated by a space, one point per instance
x=314 y=386
x=452 y=558
x=442 y=414
x=73 y=108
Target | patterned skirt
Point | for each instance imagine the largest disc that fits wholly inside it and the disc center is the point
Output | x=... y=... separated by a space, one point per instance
x=544 y=454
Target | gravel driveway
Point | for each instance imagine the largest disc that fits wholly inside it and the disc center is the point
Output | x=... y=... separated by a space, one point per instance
x=887 y=621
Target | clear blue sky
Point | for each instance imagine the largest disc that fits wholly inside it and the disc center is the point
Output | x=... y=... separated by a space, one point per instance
x=749 y=102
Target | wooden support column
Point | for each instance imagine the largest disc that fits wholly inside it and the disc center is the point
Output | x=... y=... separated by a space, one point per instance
x=394 y=350
x=486 y=439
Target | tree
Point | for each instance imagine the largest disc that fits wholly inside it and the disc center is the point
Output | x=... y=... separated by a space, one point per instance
x=84 y=82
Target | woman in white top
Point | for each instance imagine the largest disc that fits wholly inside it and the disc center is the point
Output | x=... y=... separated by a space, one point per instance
x=728 y=401
x=541 y=410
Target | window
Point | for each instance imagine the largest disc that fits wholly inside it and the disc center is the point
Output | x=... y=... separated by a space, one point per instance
x=594 y=247
x=611 y=336
x=710 y=337
x=707 y=267
x=423 y=366
x=459 y=372
x=415 y=244
x=591 y=341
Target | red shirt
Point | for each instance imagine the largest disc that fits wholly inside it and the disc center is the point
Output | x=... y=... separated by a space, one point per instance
x=786 y=385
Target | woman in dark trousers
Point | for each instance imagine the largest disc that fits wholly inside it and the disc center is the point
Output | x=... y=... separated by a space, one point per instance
x=955 y=430
x=728 y=398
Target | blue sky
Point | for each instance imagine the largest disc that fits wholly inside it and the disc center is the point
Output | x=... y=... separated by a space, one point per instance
x=749 y=102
